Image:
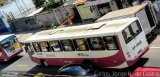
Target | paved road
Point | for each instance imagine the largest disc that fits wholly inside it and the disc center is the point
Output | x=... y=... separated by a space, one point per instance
x=23 y=63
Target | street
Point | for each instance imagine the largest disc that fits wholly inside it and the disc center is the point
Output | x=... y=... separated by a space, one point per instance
x=22 y=64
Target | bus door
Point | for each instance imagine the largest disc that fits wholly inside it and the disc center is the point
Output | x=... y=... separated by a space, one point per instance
x=29 y=48
x=10 y=46
x=135 y=39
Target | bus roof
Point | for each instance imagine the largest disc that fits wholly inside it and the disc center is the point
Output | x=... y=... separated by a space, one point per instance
x=122 y=12
x=106 y=28
x=2 y=37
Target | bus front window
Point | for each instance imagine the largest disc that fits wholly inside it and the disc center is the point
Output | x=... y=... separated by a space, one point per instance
x=96 y=43
x=55 y=45
x=110 y=43
x=67 y=45
x=81 y=45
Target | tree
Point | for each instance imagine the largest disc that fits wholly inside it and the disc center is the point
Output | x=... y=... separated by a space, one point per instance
x=39 y=3
x=49 y=4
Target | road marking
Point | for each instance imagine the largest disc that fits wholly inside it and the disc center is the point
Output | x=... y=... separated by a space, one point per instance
x=155 y=47
x=22 y=65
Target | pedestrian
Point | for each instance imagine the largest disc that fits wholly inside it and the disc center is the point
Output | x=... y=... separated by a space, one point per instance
x=41 y=25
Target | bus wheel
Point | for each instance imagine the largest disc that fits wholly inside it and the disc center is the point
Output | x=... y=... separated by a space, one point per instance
x=88 y=65
x=44 y=63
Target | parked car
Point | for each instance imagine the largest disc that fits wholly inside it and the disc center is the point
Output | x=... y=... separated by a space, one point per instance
x=146 y=72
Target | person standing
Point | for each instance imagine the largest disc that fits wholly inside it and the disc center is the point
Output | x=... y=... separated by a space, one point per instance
x=41 y=25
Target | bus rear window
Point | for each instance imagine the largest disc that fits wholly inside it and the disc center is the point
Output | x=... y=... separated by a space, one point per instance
x=131 y=31
x=55 y=45
x=81 y=44
x=67 y=45
x=110 y=43
x=96 y=43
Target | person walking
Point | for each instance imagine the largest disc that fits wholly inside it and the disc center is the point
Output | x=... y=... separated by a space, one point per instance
x=41 y=25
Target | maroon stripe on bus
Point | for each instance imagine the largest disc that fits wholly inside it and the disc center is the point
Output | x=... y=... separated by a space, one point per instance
x=132 y=62
x=14 y=55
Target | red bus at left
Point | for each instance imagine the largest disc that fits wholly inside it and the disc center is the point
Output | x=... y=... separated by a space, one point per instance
x=9 y=47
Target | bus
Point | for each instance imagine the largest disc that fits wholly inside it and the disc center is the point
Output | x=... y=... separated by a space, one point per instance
x=110 y=44
x=9 y=47
x=144 y=12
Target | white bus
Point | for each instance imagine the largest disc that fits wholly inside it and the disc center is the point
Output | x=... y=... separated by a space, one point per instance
x=9 y=47
x=110 y=44
x=144 y=12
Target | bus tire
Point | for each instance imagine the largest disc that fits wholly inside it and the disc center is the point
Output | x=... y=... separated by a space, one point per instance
x=44 y=63
x=88 y=65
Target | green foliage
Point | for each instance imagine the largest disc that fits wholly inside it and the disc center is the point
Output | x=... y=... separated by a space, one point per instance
x=47 y=4
x=50 y=4
x=53 y=26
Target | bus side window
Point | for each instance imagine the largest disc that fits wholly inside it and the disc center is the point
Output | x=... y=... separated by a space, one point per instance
x=110 y=43
x=96 y=43
x=80 y=44
x=36 y=47
x=67 y=45
x=55 y=45
x=44 y=46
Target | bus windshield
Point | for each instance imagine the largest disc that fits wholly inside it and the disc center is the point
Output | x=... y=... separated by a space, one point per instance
x=10 y=45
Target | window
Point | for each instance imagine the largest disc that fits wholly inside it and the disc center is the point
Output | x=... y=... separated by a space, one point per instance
x=1 y=21
x=29 y=48
x=31 y=21
x=67 y=45
x=81 y=44
x=104 y=8
x=6 y=46
x=9 y=46
x=96 y=43
x=110 y=43
x=126 y=34
x=55 y=45
x=136 y=28
x=36 y=47
x=44 y=46
x=131 y=31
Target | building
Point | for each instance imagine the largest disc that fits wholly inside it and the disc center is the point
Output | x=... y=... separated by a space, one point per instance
x=17 y=8
x=101 y=7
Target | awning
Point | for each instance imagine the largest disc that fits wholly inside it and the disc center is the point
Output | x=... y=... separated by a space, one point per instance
x=96 y=2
